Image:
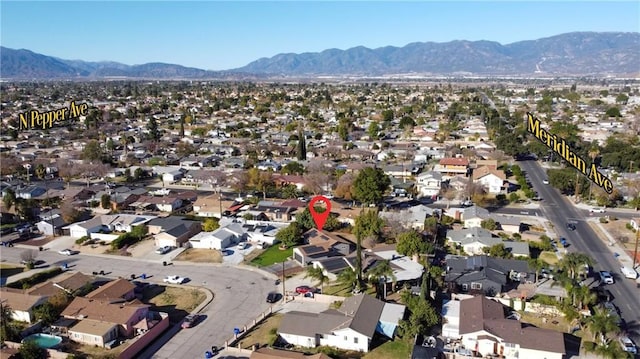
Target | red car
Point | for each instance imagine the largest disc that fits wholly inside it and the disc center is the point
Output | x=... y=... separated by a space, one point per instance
x=303 y=289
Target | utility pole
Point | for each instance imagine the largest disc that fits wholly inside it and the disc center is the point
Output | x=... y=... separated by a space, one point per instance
x=635 y=252
x=631 y=162
x=284 y=293
x=577 y=186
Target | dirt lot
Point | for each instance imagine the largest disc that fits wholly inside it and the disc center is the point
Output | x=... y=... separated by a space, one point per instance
x=175 y=301
x=617 y=229
x=262 y=333
x=200 y=256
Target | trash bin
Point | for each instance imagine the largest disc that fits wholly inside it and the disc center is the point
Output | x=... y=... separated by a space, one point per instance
x=133 y=276
x=164 y=263
x=144 y=276
x=40 y=249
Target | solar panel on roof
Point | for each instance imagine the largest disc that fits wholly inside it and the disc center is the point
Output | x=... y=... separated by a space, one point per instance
x=313 y=249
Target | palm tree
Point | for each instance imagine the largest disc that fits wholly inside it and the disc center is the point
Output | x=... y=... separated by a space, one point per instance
x=348 y=277
x=574 y=262
x=384 y=271
x=317 y=273
x=601 y=324
x=585 y=297
x=537 y=265
x=7 y=331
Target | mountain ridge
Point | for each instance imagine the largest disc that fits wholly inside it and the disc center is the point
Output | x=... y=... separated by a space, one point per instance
x=574 y=54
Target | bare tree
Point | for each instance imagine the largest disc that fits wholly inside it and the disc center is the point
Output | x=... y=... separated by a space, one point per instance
x=29 y=256
x=68 y=170
x=343 y=189
x=317 y=177
x=449 y=194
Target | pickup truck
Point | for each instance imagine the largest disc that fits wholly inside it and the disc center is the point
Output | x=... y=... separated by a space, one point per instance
x=629 y=272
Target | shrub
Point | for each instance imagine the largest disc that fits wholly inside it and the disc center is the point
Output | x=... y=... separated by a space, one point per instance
x=604 y=220
x=630 y=227
x=35 y=279
x=82 y=239
x=589 y=347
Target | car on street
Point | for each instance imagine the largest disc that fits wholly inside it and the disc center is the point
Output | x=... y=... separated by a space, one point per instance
x=606 y=277
x=272 y=297
x=597 y=210
x=303 y=289
x=190 y=320
x=571 y=226
x=67 y=252
x=174 y=279
x=563 y=241
x=627 y=345
x=629 y=272
x=545 y=181
x=164 y=250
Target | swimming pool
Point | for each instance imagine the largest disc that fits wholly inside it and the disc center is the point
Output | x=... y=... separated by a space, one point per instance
x=45 y=341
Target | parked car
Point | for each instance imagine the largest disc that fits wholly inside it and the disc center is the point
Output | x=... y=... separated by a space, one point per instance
x=627 y=345
x=597 y=210
x=629 y=272
x=164 y=250
x=174 y=279
x=546 y=273
x=263 y=245
x=272 y=297
x=243 y=245
x=303 y=289
x=563 y=241
x=190 y=320
x=67 y=252
x=606 y=277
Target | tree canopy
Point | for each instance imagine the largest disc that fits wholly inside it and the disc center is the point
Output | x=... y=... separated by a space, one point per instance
x=370 y=185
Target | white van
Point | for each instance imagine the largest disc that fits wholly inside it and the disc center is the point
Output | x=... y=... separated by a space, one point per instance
x=629 y=272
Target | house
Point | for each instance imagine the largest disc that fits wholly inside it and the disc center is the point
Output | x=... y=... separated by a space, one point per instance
x=21 y=303
x=452 y=166
x=114 y=291
x=508 y=224
x=472 y=240
x=219 y=239
x=70 y=282
x=484 y=328
x=168 y=203
x=51 y=222
x=172 y=176
x=208 y=206
x=274 y=211
x=320 y=245
x=401 y=188
x=405 y=269
x=271 y=353
x=486 y=275
x=474 y=215
x=490 y=178
x=412 y=217
x=262 y=232
x=107 y=223
x=284 y=180
x=122 y=315
x=351 y=327
x=93 y=332
x=429 y=184
x=173 y=231
x=30 y=192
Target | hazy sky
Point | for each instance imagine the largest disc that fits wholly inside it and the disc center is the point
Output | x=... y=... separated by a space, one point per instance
x=219 y=35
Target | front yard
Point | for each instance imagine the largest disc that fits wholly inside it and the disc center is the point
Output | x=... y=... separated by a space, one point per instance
x=176 y=301
x=272 y=255
x=200 y=255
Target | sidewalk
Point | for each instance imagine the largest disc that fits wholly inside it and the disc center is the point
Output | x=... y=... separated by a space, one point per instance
x=616 y=249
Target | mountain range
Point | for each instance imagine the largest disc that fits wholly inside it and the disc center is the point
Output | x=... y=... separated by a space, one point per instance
x=570 y=54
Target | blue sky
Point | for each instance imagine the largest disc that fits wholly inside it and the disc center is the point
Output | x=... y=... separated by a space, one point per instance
x=220 y=35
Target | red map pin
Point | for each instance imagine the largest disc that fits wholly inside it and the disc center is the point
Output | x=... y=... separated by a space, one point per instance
x=319 y=218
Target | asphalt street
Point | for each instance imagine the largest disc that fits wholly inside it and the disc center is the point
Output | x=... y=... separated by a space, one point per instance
x=559 y=211
x=239 y=294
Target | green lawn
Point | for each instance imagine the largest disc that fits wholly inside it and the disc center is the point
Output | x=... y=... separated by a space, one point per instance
x=549 y=257
x=271 y=256
x=397 y=349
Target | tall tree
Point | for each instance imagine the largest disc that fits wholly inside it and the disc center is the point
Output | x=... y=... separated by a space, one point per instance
x=9 y=198
x=370 y=185
x=302 y=146
x=411 y=244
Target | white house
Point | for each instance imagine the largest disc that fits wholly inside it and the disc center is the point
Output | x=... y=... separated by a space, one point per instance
x=412 y=217
x=473 y=216
x=21 y=303
x=351 y=327
x=219 y=239
x=472 y=240
x=107 y=223
x=172 y=176
x=489 y=178
x=429 y=183
x=484 y=328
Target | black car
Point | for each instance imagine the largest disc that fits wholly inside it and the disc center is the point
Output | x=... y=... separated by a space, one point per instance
x=571 y=226
x=272 y=297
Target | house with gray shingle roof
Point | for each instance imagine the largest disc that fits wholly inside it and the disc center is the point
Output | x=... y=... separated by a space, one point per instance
x=486 y=275
x=351 y=327
x=474 y=215
x=472 y=240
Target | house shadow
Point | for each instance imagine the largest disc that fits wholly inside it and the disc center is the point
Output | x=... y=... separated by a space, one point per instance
x=571 y=345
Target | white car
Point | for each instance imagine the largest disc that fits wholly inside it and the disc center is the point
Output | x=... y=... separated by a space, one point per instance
x=627 y=345
x=174 y=279
x=606 y=277
x=243 y=245
x=67 y=252
x=597 y=210
x=629 y=272
x=545 y=181
x=163 y=250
